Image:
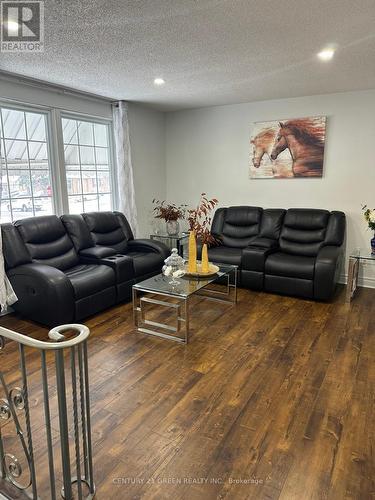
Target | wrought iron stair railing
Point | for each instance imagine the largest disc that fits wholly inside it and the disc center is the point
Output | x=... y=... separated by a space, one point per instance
x=58 y=371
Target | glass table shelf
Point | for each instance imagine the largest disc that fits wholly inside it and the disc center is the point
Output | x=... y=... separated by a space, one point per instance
x=356 y=257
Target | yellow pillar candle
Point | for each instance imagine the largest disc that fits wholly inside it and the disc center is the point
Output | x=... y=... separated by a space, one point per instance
x=205 y=266
x=192 y=264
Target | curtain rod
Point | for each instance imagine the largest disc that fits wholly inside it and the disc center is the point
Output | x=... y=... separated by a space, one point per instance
x=33 y=82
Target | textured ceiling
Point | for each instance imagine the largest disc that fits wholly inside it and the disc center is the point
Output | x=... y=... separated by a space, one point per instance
x=208 y=51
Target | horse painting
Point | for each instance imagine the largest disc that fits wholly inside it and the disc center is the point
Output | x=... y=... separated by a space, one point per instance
x=305 y=141
x=291 y=148
x=263 y=144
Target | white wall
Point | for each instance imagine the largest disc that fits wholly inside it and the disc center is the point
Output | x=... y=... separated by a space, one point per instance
x=208 y=150
x=147 y=135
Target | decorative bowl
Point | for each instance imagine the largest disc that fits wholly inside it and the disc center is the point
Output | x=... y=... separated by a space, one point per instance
x=212 y=270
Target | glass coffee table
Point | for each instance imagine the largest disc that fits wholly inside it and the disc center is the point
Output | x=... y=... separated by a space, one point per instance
x=357 y=257
x=158 y=293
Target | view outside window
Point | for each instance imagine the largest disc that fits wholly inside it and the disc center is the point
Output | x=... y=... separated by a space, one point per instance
x=87 y=164
x=26 y=188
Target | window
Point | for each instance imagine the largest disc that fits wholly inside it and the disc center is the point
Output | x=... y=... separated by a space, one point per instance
x=26 y=187
x=87 y=165
x=53 y=163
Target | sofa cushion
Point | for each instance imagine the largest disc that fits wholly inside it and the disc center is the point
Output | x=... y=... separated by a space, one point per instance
x=296 y=266
x=47 y=241
x=225 y=255
x=106 y=230
x=241 y=225
x=304 y=231
x=90 y=279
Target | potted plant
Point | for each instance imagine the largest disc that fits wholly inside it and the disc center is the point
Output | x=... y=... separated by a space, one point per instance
x=171 y=213
x=369 y=215
x=199 y=220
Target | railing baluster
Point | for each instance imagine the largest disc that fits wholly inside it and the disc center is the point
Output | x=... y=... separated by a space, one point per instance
x=83 y=411
x=27 y=420
x=75 y=419
x=87 y=395
x=47 y=414
x=63 y=420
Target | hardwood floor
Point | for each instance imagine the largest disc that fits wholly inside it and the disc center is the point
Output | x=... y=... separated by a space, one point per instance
x=272 y=399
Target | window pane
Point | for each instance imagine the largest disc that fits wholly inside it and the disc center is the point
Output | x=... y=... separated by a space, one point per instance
x=16 y=154
x=22 y=206
x=71 y=155
x=41 y=183
x=43 y=206
x=87 y=164
x=36 y=127
x=101 y=156
x=14 y=124
x=5 y=212
x=100 y=135
x=104 y=182
x=74 y=182
x=38 y=155
x=90 y=202
x=89 y=182
x=19 y=183
x=87 y=155
x=75 y=204
x=25 y=177
x=69 y=131
x=85 y=133
x=105 y=202
x=4 y=190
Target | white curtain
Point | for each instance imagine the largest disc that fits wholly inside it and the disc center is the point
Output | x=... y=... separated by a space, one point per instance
x=7 y=295
x=125 y=178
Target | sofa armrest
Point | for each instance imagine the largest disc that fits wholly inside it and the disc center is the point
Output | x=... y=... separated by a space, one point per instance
x=97 y=252
x=254 y=257
x=267 y=243
x=149 y=246
x=44 y=293
x=327 y=268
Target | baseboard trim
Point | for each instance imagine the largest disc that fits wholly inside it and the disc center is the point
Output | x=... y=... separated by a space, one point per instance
x=362 y=281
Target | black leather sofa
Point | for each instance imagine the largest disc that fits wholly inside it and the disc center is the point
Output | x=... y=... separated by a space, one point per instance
x=294 y=252
x=66 y=269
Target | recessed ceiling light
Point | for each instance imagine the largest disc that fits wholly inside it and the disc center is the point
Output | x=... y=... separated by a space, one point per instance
x=159 y=81
x=326 y=54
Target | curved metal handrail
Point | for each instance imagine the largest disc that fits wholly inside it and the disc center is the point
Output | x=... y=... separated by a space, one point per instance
x=56 y=334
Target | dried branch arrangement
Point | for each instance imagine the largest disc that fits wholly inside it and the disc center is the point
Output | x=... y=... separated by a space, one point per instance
x=168 y=211
x=199 y=219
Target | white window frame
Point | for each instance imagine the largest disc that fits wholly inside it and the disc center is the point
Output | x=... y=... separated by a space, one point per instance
x=55 y=149
x=111 y=158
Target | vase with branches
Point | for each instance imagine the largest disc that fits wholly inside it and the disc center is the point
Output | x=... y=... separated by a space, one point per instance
x=170 y=213
x=369 y=215
x=199 y=220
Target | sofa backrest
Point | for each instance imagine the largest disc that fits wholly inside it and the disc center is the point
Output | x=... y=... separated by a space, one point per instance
x=47 y=241
x=14 y=249
x=272 y=223
x=109 y=229
x=305 y=231
x=78 y=231
x=237 y=226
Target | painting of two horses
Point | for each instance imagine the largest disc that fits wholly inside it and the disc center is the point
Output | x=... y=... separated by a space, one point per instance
x=288 y=148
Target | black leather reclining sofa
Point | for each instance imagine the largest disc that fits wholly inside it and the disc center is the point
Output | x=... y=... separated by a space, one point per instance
x=294 y=252
x=66 y=269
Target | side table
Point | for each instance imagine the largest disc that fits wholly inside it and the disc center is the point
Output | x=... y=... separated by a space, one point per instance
x=356 y=258
x=179 y=241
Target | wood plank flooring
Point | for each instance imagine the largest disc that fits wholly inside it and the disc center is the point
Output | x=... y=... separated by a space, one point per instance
x=272 y=399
